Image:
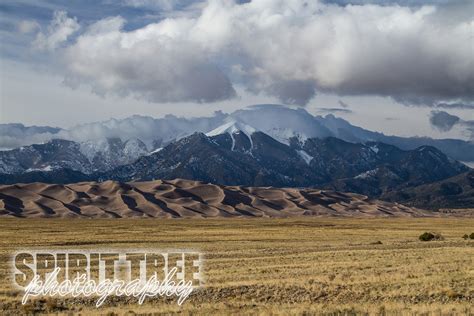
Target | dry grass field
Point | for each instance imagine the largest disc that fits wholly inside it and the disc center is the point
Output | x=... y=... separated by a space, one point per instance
x=300 y=266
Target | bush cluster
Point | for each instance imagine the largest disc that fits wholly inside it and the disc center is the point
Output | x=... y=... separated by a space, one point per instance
x=466 y=236
x=426 y=236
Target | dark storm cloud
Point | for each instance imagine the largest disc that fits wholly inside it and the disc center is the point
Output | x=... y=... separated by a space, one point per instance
x=463 y=106
x=294 y=92
x=443 y=121
x=343 y=104
x=335 y=110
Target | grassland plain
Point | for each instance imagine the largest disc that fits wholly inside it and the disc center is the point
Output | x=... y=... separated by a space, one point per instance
x=295 y=266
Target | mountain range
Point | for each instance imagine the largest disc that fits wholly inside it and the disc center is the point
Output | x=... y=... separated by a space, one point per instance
x=264 y=145
x=278 y=121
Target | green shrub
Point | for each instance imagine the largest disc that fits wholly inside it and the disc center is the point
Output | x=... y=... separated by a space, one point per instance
x=426 y=236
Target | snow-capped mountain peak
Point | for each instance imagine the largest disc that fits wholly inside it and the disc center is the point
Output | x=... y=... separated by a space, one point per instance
x=282 y=123
x=233 y=127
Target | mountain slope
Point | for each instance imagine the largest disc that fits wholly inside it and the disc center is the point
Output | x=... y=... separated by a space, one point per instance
x=55 y=154
x=85 y=157
x=457 y=190
x=457 y=149
x=222 y=159
x=375 y=168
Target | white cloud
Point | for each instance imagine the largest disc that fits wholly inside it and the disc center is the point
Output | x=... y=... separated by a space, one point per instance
x=59 y=30
x=149 y=63
x=166 y=5
x=27 y=26
x=289 y=49
x=145 y=128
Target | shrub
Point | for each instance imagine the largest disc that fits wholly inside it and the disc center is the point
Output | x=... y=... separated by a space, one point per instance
x=471 y=236
x=465 y=236
x=426 y=236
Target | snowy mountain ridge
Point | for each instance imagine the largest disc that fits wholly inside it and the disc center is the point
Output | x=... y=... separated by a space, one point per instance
x=280 y=122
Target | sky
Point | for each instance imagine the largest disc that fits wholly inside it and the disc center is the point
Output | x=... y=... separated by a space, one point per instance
x=399 y=67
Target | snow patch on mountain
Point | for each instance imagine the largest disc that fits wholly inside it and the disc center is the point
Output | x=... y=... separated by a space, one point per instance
x=47 y=168
x=232 y=127
x=134 y=148
x=111 y=152
x=283 y=135
x=470 y=164
x=374 y=148
x=155 y=151
x=305 y=156
x=367 y=174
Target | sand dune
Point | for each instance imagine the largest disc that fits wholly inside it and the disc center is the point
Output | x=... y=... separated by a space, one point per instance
x=185 y=198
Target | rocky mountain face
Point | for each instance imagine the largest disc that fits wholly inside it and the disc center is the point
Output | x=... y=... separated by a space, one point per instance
x=106 y=154
x=227 y=158
x=56 y=154
x=454 y=192
x=86 y=157
x=374 y=167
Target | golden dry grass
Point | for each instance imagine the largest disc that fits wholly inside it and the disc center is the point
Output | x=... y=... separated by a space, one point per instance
x=299 y=266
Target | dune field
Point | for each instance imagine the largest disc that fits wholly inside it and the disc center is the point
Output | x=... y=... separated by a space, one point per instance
x=185 y=198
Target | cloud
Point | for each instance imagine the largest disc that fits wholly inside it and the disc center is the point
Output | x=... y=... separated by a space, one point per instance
x=16 y=135
x=390 y=2
x=28 y=26
x=335 y=110
x=343 y=104
x=455 y=105
x=443 y=121
x=287 y=49
x=148 y=63
x=293 y=92
x=147 y=129
x=165 y=5
x=59 y=30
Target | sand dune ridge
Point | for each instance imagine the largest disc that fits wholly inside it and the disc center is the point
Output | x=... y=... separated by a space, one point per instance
x=186 y=198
